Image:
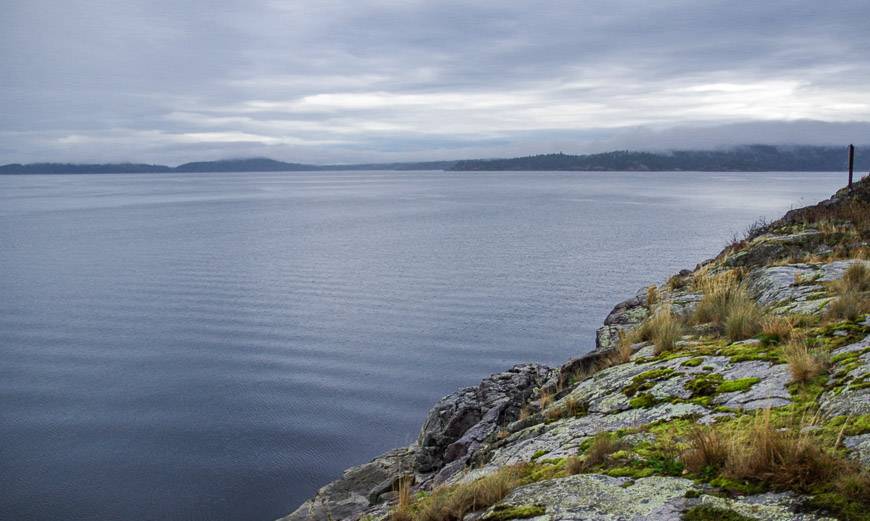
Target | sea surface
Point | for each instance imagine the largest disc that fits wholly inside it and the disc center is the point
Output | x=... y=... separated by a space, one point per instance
x=218 y=346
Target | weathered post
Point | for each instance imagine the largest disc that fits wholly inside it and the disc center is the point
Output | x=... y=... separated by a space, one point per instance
x=851 y=162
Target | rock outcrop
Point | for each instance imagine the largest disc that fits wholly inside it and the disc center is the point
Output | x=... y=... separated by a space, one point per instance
x=603 y=436
x=460 y=422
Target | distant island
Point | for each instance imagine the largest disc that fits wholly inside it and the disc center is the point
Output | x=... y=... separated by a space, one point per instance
x=747 y=158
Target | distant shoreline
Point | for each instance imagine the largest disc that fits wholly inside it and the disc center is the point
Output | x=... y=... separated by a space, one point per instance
x=748 y=158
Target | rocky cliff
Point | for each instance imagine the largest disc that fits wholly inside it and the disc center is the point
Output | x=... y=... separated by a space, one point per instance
x=737 y=390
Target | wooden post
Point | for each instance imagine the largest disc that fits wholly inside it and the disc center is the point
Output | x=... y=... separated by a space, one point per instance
x=851 y=162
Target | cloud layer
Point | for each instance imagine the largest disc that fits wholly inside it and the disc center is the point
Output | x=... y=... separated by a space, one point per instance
x=375 y=80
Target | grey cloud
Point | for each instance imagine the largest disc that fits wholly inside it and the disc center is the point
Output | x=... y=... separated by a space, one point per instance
x=372 y=80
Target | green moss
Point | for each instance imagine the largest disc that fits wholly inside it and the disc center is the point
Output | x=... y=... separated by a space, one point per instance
x=629 y=472
x=504 y=512
x=693 y=362
x=741 y=384
x=539 y=453
x=704 y=384
x=848 y=425
x=691 y=493
x=845 y=508
x=807 y=392
x=647 y=380
x=711 y=513
x=642 y=401
x=738 y=486
x=748 y=352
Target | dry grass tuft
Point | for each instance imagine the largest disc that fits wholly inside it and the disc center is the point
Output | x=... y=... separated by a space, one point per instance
x=804 y=363
x=786 y=459
x=545 y=399
x=574 y=407
x=854 y=293
x=574 y=465
x=603 y=445
x=779 y=327
x=404 y=500
x=727 y=305
x=651 y=296
x=452 y=503
x=663 y=329
x=524 y=413
x=857 y=277
x=707 y=450
x=622 y=353
x=744 y=319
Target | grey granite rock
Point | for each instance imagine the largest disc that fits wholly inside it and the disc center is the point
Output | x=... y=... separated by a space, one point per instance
x=771 y=391
x=859 y=447
x=795 y=288
x=460 y=422
x=593 y=497
x=849 y=398
x=348 y=497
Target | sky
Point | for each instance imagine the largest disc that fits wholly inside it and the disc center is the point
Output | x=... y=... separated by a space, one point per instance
x=329 y=81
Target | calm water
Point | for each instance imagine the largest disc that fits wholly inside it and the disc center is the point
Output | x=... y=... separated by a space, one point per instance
x=218 y=346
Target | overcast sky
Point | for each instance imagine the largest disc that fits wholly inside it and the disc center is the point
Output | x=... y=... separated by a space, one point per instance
x=375 y=80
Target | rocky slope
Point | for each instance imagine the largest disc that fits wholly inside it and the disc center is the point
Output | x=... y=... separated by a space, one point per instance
x=735 y=391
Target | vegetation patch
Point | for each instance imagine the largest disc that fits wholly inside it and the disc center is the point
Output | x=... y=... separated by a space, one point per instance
x=766 y=452
x=711 y=513
x=643 y=401
x=647 y=380
x=738 y=385
x=705 y=384
x=504 y=512
x=693 y=362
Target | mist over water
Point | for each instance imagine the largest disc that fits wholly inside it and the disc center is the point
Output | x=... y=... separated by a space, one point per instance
x=218 y=346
